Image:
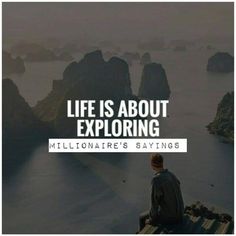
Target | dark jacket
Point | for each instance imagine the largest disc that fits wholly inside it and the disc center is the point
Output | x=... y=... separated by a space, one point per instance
x=166 y=199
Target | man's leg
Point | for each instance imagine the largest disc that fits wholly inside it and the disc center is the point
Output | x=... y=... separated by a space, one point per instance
x=142 y=218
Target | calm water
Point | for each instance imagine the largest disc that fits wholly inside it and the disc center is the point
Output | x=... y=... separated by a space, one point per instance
x=58 y=193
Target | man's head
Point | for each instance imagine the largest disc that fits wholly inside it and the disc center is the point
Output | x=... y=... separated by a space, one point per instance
x=156 y=161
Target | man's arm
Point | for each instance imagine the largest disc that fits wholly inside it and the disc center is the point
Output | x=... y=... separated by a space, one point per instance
x=156 y=194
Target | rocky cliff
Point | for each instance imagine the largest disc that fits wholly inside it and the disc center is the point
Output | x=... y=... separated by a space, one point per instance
x=18 y=119
x=198 y=219
x=221 y=62
x=223 y=124
x=90 y=78
x=154 y=83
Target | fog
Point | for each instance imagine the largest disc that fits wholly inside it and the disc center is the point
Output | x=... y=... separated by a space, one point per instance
x=91 y=22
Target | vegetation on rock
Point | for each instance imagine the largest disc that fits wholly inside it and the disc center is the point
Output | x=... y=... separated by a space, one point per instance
x=223 y=124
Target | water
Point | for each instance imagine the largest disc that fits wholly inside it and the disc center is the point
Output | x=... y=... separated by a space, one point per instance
x=58 y=193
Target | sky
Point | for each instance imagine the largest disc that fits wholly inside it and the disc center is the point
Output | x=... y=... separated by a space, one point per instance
x=118 y=21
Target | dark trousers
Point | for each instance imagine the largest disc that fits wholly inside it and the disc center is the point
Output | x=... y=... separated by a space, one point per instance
x=142 y=218
x=145 y=215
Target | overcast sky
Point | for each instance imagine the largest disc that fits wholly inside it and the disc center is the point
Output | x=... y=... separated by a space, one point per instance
x=117 y=21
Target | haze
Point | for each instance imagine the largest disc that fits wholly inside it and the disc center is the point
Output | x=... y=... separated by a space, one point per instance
x=118 y=21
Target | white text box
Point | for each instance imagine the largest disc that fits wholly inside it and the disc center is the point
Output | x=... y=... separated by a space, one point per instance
x=117 y=145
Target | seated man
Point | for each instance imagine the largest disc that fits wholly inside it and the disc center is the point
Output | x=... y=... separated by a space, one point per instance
x=167 y=205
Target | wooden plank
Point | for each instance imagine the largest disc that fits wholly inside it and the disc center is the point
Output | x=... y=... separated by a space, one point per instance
x=226 y=228
x=148 y=229
x=210 y=226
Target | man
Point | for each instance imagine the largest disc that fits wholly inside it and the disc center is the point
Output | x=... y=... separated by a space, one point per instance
x=167 y=205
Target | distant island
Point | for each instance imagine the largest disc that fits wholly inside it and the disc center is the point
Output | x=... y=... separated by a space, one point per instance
x=34 y=52
x=145 y=58
x=129 y=57
x=12 y=65
x=44 y=55
x=179 y=45
x=23 y=48
x=153 y=45
x=223 y=124
x=180 y=49
x=221 y=62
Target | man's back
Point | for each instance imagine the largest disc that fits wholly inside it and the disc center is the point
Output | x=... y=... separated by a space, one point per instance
x=166 y=199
